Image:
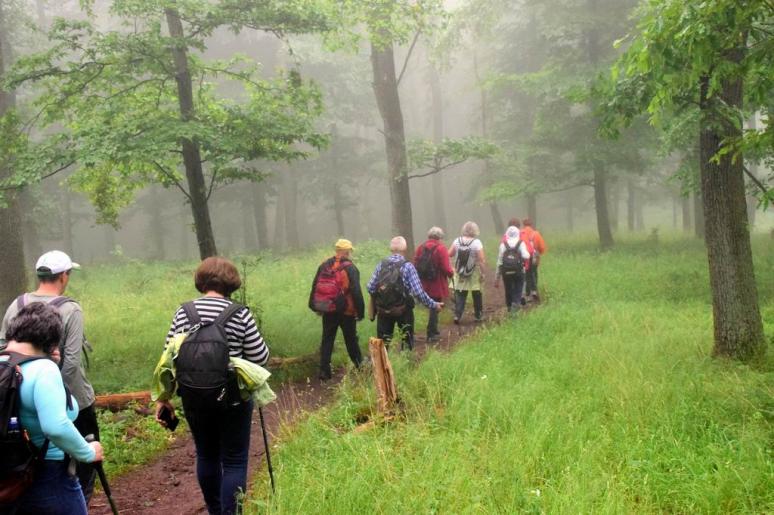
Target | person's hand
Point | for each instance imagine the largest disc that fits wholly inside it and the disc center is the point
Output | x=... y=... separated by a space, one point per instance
x=99 y=454
x=160 y=405
x=439 y=306
x=55 y=356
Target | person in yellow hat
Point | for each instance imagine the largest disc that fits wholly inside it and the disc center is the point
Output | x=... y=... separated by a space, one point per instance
x=336 y=296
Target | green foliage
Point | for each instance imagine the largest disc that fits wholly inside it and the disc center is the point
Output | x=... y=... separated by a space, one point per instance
x=602 y=400
x=434 y=158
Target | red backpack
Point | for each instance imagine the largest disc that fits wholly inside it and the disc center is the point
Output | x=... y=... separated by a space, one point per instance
x=330 y=291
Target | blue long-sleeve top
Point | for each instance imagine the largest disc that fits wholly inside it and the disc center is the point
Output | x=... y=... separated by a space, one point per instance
x=410 y=280
x=44 y=412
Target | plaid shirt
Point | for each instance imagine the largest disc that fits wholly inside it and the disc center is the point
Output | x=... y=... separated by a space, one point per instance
x=410 y=280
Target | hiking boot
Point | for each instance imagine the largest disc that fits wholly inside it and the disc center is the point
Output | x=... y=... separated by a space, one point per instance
x=456 y=321
x=325 y=376
x=478 y=320
x=535 y=297
x=434 y=339
x=523 y=301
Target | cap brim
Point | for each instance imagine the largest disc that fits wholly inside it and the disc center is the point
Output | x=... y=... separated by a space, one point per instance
x=76 y=266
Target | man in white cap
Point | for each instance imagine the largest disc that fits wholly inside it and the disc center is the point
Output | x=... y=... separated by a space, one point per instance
x=53 y=271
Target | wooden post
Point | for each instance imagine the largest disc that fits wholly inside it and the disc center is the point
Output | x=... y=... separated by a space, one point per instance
x=383 y=376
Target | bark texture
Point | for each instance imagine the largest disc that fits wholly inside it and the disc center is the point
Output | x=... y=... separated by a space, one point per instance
x=600 y=203
x=737 y=321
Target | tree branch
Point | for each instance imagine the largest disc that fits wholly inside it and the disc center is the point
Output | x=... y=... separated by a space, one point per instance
x=212 y=183
x=48 y=175
x=437 y=169
x=408 y=56
x=755 y=180
x=166 y=173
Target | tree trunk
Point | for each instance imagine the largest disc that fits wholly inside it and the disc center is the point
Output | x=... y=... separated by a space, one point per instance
x=737 y=318
x=259 y=214
x=494 y=209
x=698 y=215
x=279 y=220
x=110 y=239
x=385 y=87
x=532 y=208
x=192 y=160
x=614 y=189
x=631 y=206
x=600 y=204
x=27 y=204
x=439 y=209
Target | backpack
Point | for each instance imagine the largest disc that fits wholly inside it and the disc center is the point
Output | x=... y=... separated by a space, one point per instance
x=329 y=294
x=58 y=302
x=203 y=368
x=512 y=262
x=390 y=295
x=466 y=261
x=425 y=266
x=21 y=458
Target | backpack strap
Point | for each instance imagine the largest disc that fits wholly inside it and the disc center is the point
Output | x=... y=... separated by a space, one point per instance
x=227 y=313
x=16 y=358
x=60 y=301
x=21 y=301
x=190 y=312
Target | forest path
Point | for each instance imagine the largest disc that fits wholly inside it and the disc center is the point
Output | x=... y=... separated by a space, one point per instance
x=168 y=485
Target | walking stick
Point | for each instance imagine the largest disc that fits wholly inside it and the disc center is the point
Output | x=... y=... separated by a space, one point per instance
x=266 y=446
x=103 y=480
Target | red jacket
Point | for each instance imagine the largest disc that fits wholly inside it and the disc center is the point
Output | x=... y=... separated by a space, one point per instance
x=437 y=288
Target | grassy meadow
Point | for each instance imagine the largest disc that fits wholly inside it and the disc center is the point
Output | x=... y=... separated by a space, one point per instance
x=603 y=400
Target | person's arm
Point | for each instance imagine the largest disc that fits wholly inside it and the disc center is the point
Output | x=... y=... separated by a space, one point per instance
x=49 y=398
x=357 y=293
x=482 y=261
x=4 y=328
x=73 y=347
x=524 y=252
x=414 y=286
x=444 y=263
x=500 y=252
x=314 y=285
x=179 y=321
x=453 y=249
x=254 y=347
x=371 y=286
x=540 y=243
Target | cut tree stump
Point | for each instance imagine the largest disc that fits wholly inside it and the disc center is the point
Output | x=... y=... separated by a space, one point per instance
x=383 y=376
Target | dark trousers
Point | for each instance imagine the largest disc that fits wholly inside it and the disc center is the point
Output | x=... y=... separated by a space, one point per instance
x=86 y=424
x=461 y=297
x=330 y=325
x=513 y=284
x=432 y=320
x=54 y=492
x=385 y=325
x=222 y=439
x=532 y=279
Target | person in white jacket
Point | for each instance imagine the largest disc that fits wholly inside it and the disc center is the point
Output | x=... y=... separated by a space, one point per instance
x=512 y=259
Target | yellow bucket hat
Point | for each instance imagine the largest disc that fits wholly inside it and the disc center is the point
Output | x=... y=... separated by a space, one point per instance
x=343 y=244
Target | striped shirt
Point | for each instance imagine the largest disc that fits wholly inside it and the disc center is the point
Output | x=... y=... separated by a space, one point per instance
x=244 y=339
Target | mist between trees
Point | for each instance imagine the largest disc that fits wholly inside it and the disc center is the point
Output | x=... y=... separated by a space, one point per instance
x=180 y=129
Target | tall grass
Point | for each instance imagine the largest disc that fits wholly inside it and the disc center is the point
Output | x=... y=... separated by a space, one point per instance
x=603 y=400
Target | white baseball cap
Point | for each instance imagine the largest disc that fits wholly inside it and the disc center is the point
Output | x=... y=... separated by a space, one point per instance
x=54 y=262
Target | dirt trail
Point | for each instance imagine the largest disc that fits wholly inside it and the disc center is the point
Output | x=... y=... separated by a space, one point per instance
x=168 y=485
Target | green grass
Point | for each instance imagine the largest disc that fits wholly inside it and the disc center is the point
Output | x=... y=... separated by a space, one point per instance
x=603 y=400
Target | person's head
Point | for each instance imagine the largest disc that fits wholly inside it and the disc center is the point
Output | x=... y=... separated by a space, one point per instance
x=53 y=270
x=470 y=230
x=217 y=274
x=435 y=233
x=38 y=324
x=343 y=248
x=514 y=222
x=512 y=232
x=528 y=222
x=398 y=245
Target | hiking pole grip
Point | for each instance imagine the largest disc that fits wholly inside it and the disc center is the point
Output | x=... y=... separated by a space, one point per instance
x=266 y=447
x=103 y=478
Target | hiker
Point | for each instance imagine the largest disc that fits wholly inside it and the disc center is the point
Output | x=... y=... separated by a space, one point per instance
x=393 y=286
x=220 y=427
x=336 y=296
x=469 y=271
x=46 y=413
x=53 y=271
x=514 y=222
x=530 y=234
x=431 y=260
x=511 y=260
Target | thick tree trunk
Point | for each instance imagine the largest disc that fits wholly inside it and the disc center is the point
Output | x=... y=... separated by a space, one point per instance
x=439 y=209
x=259 y=215
x=192 y=160
x=385 y=87
x=737 y=318
x=600 y=204
x=614 y=190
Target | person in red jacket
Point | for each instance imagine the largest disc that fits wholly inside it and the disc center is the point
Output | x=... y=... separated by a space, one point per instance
x=432 y=263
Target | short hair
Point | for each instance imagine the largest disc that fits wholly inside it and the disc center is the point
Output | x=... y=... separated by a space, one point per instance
x=51 y=278
x=398 y=244
x=36 y=323
x=217 y=274
x=514 y=222
x=470 y=229
x=527 y=222
x=435 y=233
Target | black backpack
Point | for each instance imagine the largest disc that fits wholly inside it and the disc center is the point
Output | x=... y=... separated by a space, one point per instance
x=465 y=263
x=512 y=262
x=426 y=268
x=20 y=457
x=390 y=295
x=203 y=369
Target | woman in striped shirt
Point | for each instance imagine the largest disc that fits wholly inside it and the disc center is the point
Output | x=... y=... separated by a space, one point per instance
x=222 y=437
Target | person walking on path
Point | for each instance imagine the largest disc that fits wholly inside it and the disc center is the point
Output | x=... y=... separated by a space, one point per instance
x=46 y=413
x=393 y=286
x=53 y=271
x=531 y=235
x=511 y=260
x=221 y=433
x=431 y=260
x=336 y=296
x=469 y=271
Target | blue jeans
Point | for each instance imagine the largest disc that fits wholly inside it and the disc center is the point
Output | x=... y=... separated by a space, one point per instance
x=222 y=439
x=54 y=492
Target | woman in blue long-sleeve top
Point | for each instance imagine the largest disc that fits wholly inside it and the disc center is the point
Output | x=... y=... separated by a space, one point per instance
x=46 y=414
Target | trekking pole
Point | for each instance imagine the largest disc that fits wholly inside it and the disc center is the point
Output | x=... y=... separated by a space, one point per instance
x=266 y=446
x=103 y=480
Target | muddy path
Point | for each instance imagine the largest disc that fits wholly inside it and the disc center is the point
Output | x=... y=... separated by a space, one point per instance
x=168 y=485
